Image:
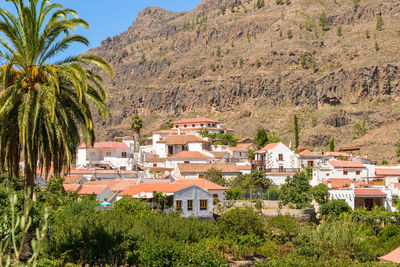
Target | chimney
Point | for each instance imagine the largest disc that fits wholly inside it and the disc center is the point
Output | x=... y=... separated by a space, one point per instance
x=329 y=184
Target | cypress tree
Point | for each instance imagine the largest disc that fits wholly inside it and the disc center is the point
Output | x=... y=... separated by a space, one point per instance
x=296 y=132
x=332 y=144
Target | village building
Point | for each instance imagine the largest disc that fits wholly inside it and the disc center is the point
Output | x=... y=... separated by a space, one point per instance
x=194 y=201
x=102 y=192
x=276 y=158
x=339 y=169
x=392 y=257
x=388 y=175
x=189 y=157
x=240 y=153
x=197 y=170
x=217 y=191
x=106 y=155
x=173 y=144
x=312 y=159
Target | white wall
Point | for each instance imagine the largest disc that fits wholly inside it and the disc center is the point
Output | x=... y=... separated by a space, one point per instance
x=290 y=159
x=345 y=194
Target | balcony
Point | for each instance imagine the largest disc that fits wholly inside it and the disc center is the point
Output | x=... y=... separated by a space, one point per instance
x=282 y=170
x=257 y=162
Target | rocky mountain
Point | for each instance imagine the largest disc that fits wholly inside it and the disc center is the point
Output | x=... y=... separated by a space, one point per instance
x=256 y=63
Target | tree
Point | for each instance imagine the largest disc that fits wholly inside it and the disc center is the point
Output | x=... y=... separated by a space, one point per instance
x=214 y=175
x=296 y=132
x=323 y=21
x=296 y=190
x=241 y=221
x=45 y=108
x=160 y=199
x=320 y=193
x=234 y=193
x=136 y=126
x=334 y=208
x=398 y=151
x=261 y=138
x=359 y=130
x=332 y=144
x=379 y=23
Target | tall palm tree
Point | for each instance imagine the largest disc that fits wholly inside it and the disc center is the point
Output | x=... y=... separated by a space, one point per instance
x=136 y=126
x=45 y=108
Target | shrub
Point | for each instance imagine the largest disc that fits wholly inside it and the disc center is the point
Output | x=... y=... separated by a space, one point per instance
x=296 y=190
x=334 y=208
x=339 y=31
x=240 y=221
x=320 y=193
x=379 y=23
x=234 y=193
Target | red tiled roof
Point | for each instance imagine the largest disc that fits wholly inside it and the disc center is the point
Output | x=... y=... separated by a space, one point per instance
x=393 y=256
x=151 y=187
x=155 y=160
x=308 y=154
x=397 y=186
x=91 y=189
x=189 y=155
x=387 y=172
x=268 y=147
x=244 y=167
x=72 y=187
x=113 y=185
x=219 y=154
x=202 y=183
x=346 y=164
x=338 y=154
x=161 y=169
x=338 y=183
x=204 y=167
x=72 y=179
x=89 y=171
x=175 y=131
x=182 y=139
x=195 y=120
x=106 y=145
x=369 y=192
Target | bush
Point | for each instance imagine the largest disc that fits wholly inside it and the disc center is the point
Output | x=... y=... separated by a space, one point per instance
x=240 y=221
x=234 y=193
x=296 y=190
x=320 y=193
x=334 y=208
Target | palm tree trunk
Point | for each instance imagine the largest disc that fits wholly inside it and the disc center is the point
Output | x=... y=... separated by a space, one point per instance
x=136 y=137
x=29 y=184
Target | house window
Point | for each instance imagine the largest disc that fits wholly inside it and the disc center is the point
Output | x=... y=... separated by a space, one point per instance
x=176 y=126
x=280 y=168
x=345 y=172
x=203 y=204
x=190 y=204
x=327 y=174
x=357 y=172
x=108 y=154
x=186 y=162
x=310 y=163
x=201 y=125
x=280 y=157
x=193 y=125
x=123 y=154
x=154 y=165
x=215 y=199
x=183 y=148
x=179 y=205
x=170 y=150
x=185 y=126
x=201 y=176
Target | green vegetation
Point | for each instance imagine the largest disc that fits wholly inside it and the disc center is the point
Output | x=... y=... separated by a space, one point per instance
x=334 y=208
x=280 y=33
x=398 y=151
x=379 y=23
x=367 y=34
x=214 y=175
x=258 y=64
x=339 y=31
x=218 y=51
x=241 y=62
x=296 y=191
x=260 y=4
x=323 y=21
x=261 y=138
x=212 y=67
x=332 y=144
x=359 y=130
x=314 y=65
x=303 y=61
x=376 y=46
x=290 y=34
x=136 y=126
x=296 y=131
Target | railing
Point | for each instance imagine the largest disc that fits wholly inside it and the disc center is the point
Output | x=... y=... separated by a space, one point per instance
x=283 y=170
x=257 y=162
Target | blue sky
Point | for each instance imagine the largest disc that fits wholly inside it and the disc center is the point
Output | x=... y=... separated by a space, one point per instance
x=111 y=17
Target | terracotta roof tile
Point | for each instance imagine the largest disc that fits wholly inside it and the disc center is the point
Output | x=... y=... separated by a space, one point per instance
x=113 y=185
x=242 y=147
x=393 y=256
x=189 y=155
x=338 y=154
x=72 y=187
x=91 y=189
x=106 y=145
x=219 y=154
x=387 y=172
x=369 y=192
x=204 y=167
x=308 y=154
x=155 y=160
x=182 y=139
x=72 y=179
x=346 y=164
x=202 y=183
x=268 y=147
x=338 y=183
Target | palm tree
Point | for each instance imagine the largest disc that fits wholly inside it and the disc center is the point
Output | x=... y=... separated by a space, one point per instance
x=45 y=108
x=136 y=126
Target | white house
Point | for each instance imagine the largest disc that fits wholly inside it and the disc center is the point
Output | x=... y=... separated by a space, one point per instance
x=106 y=155
x=339 y=169
x=312 y=159
x=197 y=170
x=277 y=158
x=362 y=195
x=194 y=201
x=189 y=157
x=173 y=144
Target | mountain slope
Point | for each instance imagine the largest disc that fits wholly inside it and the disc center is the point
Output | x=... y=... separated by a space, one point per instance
x=255 y=67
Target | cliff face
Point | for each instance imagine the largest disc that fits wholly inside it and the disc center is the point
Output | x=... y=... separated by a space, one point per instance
x=254 y=66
